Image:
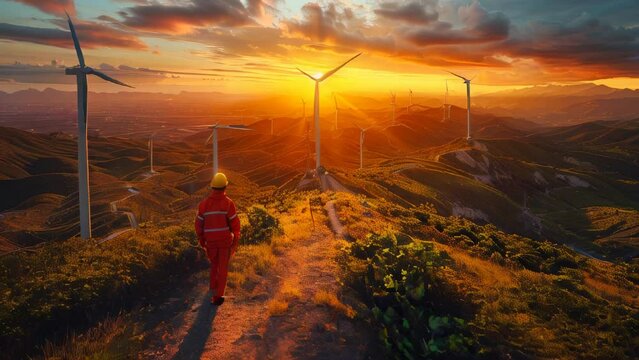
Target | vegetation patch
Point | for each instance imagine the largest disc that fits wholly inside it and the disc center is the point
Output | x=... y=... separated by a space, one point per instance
x=66 y=285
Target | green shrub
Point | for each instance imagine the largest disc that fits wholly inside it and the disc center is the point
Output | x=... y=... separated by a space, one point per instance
x=261 y=226
x=400 y=284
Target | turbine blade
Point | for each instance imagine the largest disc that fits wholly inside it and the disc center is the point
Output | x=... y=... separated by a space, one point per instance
x=328 y=74
x=108 y=78
x=234 y=127
x=208 y=139
x=459 y=76
x=312 y=78
x=76 y=42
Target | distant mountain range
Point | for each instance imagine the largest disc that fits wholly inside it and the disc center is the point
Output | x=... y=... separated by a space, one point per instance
x=553 y=105
x=563 y=104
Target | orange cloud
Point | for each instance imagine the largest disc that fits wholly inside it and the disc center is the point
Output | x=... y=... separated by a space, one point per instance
x=56 y=7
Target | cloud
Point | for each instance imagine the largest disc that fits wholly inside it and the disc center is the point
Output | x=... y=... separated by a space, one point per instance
x=585 y=44
x=53 y=73
x=173 y=18
x=414 y=12
x=339 y=27
x=56 y=7
x=479 y=26
x=92 y=35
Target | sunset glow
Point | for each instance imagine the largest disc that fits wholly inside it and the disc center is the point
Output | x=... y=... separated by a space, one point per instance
x=254 y=47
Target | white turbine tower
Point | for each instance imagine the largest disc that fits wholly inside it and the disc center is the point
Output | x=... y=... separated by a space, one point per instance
x=446 y=106
x=317 y=81
x=393 y=103
x=80 y=72
x=303 y=110
x=151 y=152
x=410 y=99
x=336 y=112
x=214 y=137
x=467 y=82
x=362 y=132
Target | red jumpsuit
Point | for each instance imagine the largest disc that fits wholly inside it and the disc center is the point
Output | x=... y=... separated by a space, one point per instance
x=218 y=230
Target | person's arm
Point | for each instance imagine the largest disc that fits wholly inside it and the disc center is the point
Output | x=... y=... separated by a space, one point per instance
x=199 y=226
x=234 y=224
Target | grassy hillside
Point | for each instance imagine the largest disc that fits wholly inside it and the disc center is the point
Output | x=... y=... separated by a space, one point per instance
x=441 y=287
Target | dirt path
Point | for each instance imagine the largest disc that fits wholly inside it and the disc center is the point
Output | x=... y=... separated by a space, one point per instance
x=244 y=328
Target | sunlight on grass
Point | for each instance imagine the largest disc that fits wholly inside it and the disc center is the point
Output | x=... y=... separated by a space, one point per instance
x=276 y=307
x=290 y=291
x=249 y=261
x=325 y=298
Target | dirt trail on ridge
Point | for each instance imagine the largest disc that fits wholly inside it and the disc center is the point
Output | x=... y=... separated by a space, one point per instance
x=242 y=327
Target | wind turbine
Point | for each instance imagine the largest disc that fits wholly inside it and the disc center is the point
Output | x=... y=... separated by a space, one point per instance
x=362 y=132
x=151 y=152
x=336 y=111
x=303 y=110
x=214 y=137
x=81 y=71
x=446 y=106
x=410 y=99
x=393 y=103
x=317 y=81
x=467 y=82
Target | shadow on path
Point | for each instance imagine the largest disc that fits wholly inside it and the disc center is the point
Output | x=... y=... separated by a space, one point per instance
x=193 y=344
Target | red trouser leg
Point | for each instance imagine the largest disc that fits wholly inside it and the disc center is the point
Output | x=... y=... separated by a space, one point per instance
x=219 y=258
x=213 y=258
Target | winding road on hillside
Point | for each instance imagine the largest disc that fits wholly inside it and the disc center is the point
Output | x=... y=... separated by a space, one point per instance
x=133 y=222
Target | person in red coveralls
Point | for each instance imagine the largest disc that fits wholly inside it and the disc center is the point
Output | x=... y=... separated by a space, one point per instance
x=218 y=230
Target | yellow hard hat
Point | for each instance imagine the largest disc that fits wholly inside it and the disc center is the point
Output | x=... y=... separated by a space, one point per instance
x=219 y=181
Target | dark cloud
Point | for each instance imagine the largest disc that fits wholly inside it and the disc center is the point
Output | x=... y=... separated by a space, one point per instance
x=341 y=27
x=586 y=44
x=196 y=13
x=56 y=7
x=414 y=12
x=479 y=26
x=92 y=35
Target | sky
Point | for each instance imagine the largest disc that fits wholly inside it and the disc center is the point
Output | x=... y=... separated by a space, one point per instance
x=255 y=46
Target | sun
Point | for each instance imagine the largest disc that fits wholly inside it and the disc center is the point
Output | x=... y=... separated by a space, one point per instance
x=318 y=75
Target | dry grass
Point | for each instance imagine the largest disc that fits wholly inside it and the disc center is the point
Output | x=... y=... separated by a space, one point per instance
x=249 y=261
x=277 y=307
x=611 y=292
x=92 y=344
x=289 y=291
x=481 y=272
x=323 y=297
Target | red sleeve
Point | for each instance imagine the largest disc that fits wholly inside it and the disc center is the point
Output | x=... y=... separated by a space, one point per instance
x=234 y=223
x=199 y=224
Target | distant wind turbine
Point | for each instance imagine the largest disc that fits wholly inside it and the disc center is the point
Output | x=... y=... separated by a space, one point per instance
x=410 y=99
x=467 y=82
x=151 y=152
x=317 y=81
x=446 y=105
x=362 y=132
x=81 y=71
x=303 y=110
x=393 y=103
x=336 y=112
x=214 y=137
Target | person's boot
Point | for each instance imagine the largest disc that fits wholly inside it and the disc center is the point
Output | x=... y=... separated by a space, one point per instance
x=217 y=300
